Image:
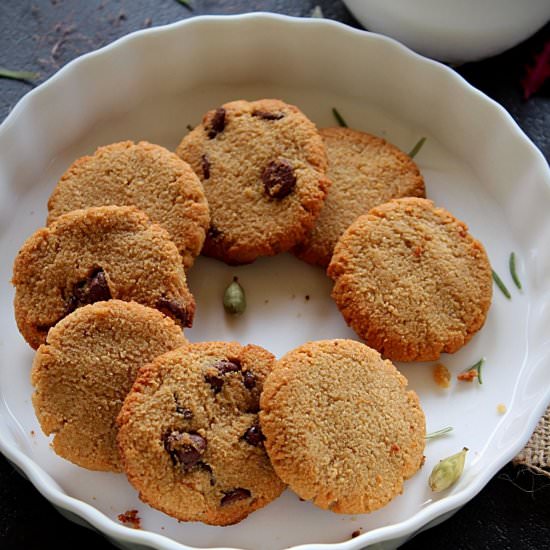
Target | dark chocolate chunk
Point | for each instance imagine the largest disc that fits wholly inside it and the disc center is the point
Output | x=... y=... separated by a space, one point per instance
x=217 y=123
x=185 y=412
x=279 y=179
x=213 y=232
x=205 y=163
x=233 y=496
x=223 y=367
x=266 y=115
x=249 y=379
x=254 y=436
x=93 y=289
x=173 y=308
x=185 y=448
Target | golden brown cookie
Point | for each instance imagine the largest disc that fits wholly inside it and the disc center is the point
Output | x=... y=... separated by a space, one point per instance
x=86 y=368
x=189 y=433
x=365 y=171
x=411 y=281
x=92 y=255
x=144 y=175
x=341 y=427
x=262 y=165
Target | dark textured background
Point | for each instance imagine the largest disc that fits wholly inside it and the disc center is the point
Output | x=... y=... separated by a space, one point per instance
x=513 y=511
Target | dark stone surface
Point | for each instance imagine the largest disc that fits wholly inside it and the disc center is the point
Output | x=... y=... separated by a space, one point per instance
x=513 y=510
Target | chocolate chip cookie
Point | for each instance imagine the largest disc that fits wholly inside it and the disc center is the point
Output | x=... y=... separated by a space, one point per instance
x=92 y=255
x=144 y=175
x=411 y=281
x=341 y=427
x=86 y=368
x=189 y=433
x=262 y=165
x=365 y=171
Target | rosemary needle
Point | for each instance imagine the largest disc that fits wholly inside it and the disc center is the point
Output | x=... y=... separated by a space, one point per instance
x=417 y=147
x=477 y=369
x=339 y=118
x=438 y=433
x=513 y=272
x=23 y=76
x=185 y=3
x=501 y=285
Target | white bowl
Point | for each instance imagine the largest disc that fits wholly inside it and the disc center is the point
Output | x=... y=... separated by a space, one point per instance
x=454 y=30
x=476 y=162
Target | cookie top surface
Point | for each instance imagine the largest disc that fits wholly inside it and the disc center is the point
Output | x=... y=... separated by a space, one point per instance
x=365 y=171
x=411 y=281
x=92 y=255
x=189 y=433
x=341 y=427
x=144 y=175
x=84 y=371
x=262 y=165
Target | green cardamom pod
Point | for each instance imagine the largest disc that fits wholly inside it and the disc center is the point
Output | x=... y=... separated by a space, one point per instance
x=234 y=300
x=447 y=471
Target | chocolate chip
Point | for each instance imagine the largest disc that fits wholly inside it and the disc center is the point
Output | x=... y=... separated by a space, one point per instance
x=249 y=379
x=185 y=448
x=222 y=367
x=173 y=308
x=233 y=496
x=217 y=123
x=213 y=232
x=92 y=289
x=266 y=115
x=205 y=163
x=279 y=179
x=254 y=436
x=185 y=412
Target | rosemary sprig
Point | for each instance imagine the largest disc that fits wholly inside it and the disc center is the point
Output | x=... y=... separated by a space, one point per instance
x=501 y=285
x=185 y=3
x=513 y=272
x=415 y=150
x=339 y=118
x=477 y=369
x=438 y=433
x=23 y=76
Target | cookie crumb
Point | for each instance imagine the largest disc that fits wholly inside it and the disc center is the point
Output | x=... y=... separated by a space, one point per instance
x=468 y=376
x=307 y=297
x=442 y=375
x=33 y=433
x=130 y=518
x=356 y=533
x=501 y=408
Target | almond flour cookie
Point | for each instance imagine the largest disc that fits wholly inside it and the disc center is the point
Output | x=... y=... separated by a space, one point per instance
x=365 y=171
x=144 y=175
x=411 y=281
x=262 y=165
x=189 y=433
x=93 y=255
x=341 y=427
x=86 y=368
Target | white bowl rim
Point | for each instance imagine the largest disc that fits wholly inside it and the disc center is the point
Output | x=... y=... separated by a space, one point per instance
x=96 y=519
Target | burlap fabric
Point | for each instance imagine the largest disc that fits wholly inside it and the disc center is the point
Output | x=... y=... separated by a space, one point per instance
x=536 y=454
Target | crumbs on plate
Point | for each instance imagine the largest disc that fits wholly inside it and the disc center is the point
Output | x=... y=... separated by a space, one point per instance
x=442 y=375
x=130 y=518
